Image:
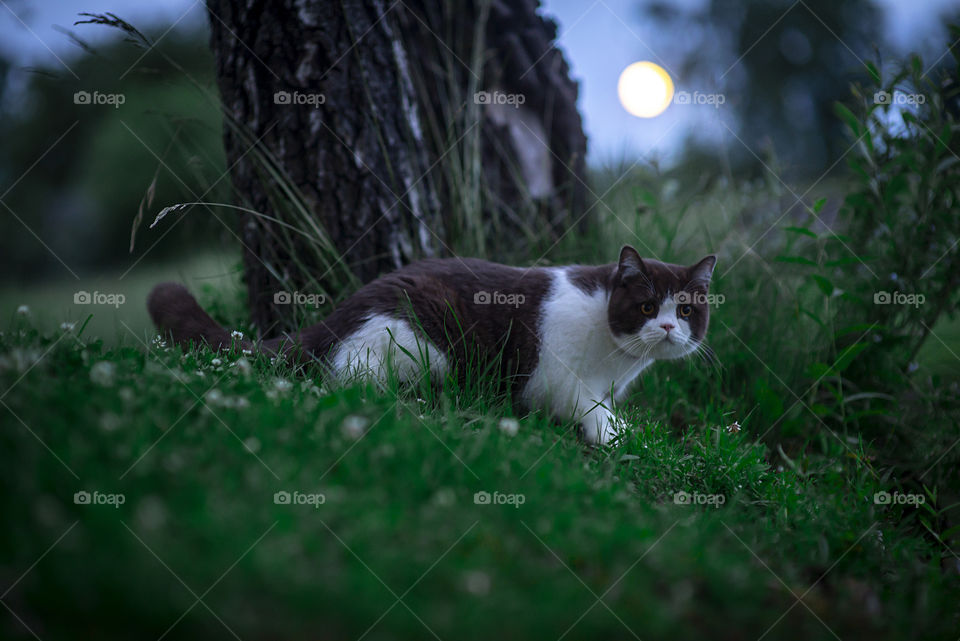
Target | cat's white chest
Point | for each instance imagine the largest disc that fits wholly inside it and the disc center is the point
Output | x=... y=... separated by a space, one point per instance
x=580 y=366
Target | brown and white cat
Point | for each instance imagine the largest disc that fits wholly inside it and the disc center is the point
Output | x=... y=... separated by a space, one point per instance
x=569 y=340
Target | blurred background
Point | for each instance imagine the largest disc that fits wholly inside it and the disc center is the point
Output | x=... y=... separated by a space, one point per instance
x=75 y=177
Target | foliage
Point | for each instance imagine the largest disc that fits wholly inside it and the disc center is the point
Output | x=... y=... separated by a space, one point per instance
x=792 y=61
x=76 y=175
x=817 y=349
x=905 y=130
x=198 y=444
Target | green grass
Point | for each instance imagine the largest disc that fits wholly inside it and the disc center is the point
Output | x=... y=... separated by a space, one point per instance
x=198 y=448
x=784 y=539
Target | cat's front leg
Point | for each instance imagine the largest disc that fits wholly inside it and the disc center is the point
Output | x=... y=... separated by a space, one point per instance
x=599 y=425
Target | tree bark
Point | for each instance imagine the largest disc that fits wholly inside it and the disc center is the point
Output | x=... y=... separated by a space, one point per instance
x=349 y=128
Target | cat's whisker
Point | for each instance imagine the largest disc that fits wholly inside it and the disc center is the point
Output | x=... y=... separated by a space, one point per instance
x=708 y=356
x=615 y=352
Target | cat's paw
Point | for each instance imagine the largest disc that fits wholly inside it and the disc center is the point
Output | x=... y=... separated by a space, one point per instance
x=599 y=427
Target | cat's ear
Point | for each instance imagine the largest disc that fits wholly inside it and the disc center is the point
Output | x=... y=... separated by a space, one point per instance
x=701 y=273
x=630 y=265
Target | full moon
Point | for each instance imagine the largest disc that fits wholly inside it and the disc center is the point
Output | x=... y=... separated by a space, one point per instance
x=645 y=89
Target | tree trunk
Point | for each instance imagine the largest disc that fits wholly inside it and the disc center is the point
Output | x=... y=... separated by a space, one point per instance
x=356 y=131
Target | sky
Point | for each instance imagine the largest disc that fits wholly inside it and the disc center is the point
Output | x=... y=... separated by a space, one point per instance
x=599 y=38
x=597 y=62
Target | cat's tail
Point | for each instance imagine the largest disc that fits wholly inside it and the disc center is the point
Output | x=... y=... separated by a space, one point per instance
x=178 y=316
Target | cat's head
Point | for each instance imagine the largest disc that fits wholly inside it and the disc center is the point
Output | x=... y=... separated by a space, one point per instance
x=659 y=310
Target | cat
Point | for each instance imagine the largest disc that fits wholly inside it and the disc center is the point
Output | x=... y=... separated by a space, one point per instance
x=569 y=340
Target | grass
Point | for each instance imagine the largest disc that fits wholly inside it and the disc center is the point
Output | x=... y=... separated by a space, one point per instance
x=688 y=528
x=199 y=444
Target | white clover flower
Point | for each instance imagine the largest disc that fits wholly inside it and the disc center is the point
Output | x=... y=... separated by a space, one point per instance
x=216 y=362
x=354 y=426
x=477 y=582
x=102 y=373
x=509 y=426
x=23 y=310
x=109 y=422
x=280 y=388
x=237 y=334
x=445 y=497
x=20 y=359
x=243 y=366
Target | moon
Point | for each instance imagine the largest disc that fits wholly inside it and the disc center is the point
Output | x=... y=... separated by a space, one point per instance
x=645 y=89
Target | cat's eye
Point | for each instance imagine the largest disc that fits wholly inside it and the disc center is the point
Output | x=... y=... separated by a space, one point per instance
x=646 y=309
x=685 y=311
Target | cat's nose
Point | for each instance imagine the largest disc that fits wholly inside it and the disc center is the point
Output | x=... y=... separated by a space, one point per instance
x=667 y=326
